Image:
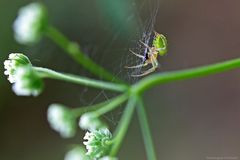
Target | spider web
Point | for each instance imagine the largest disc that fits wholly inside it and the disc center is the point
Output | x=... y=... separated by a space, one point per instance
x=144 y=32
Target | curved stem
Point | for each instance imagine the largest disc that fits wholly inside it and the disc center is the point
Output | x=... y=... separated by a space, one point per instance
x=101 y=108
x=167 y=77
x=47 y=73
x=79 y=111
x=75 y=52
x=110 y=106
x=123 y=126
x=142 y=116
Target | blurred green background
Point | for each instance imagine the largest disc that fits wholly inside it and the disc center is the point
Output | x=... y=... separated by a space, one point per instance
x=194 y=119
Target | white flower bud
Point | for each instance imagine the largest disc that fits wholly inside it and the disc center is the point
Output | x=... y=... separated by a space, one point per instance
x=108 y=158
x=77 y=153
x=90 y=121
x=14 y=61
x=25 y=79
x=27 y=82
x=30 y=23
x=62 y=120
x=97 y=143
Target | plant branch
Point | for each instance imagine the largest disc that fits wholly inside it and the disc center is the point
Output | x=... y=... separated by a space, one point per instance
x=75 y=52
x=123 y=126
x=101 y=108
x=142 y=117
x=47 y=73
x=167 y=77
x=112 y=105
x=79 y=111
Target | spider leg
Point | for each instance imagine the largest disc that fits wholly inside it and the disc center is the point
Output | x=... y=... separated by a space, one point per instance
x=137 y=66
x=156 y=33
x=145 y=73
x=145 y=44
x=154 y=66
x=138 y=55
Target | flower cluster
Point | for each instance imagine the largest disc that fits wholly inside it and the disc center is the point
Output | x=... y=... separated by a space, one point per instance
x=30 y=23
x=20 y=72
x=90 y=121
x=98 y=142
x=62 y=120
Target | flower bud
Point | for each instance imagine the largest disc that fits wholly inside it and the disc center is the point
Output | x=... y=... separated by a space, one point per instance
x=20 y=72
x=62 y=120
x=27 y=82
x=108 y=158
x=77 y=153
x=90 y=121
x=30 y=23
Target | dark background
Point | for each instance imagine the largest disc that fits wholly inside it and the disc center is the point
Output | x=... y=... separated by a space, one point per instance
x=193 y=119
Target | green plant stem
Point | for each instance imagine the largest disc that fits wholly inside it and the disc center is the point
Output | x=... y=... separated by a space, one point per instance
x=143 y=120
x=47 y=73
x=75 y=52
x=167 y=77
x=110 y=106
x=123 y=126
x=79 y=111
x=101 y=108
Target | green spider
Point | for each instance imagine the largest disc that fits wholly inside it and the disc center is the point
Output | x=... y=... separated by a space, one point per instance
x=159 y=47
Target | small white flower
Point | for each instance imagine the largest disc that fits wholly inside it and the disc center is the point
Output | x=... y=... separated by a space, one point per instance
x=108 y=158
x=20 y=72
x=27 y=82
x=98 y=142
x=62 y=120
x=30 y=23
x=77 y=153
x=90 y=121
x=14 y=61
